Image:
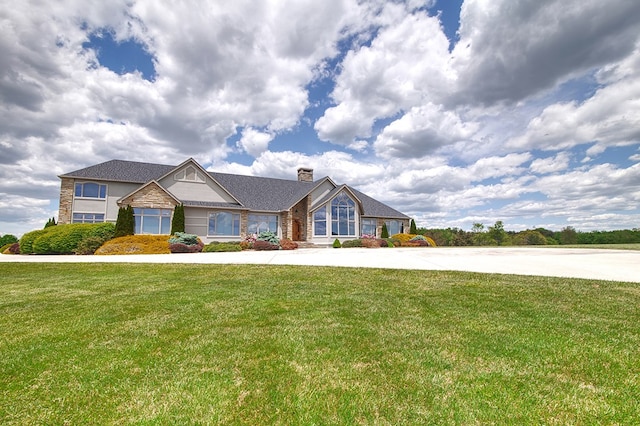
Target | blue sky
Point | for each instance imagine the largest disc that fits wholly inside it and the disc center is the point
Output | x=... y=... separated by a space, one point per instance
x=453 y=112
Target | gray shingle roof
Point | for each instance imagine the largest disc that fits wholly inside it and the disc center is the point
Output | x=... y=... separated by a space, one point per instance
x=255 y=193
x=122 y=171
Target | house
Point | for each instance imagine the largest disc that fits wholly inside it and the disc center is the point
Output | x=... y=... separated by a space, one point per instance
x=223 y=207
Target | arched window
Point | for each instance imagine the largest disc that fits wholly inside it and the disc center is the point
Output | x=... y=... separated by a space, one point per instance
x=343 y=216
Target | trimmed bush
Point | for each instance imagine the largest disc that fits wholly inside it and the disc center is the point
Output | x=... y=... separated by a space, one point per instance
x=177 y=223
x=222 y=247
x=268 y=236
x=125 y=224
x=181 y=242
x=261 y=245
x=385 y=231
x=89 y=245
x=64 y=239
x=288 y=244
x=136 y=244
x=370 y=243
x=352 y=243
x=383 y=243
x=336 y=243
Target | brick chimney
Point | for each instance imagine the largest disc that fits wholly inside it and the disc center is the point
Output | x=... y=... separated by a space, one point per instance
x=305 y=174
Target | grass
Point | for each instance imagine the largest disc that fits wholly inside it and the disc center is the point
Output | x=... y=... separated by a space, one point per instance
x=628 y=246
x=219 y=344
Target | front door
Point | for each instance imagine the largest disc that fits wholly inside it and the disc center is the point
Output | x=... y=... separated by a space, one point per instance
x=295 y=230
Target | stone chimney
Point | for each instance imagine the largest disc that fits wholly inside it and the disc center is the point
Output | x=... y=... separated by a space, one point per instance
x=305 y=174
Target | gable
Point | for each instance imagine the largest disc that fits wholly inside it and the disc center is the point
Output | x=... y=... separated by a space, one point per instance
x=189 y=182
x=151 y=195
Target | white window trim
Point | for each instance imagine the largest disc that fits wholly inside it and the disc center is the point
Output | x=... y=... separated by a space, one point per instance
x=77 y=197
x=181 y=175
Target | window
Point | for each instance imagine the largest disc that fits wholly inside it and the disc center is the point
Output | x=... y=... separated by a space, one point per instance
x=393 y=227
x=152 y=221
x=343 y=215
x=262 y=222
x=368 y=227
x=224 y=223
x=190 y=174
x=88 y=217
x=320 y=222
x=90 y=190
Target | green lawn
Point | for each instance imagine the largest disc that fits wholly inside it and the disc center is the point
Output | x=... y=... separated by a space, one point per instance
x=216 y=344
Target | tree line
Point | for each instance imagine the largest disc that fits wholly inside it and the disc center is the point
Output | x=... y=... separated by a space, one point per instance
x=496 y=235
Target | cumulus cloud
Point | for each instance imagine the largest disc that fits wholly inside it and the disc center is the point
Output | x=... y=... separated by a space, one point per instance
x=509 y=51
x=405 y=65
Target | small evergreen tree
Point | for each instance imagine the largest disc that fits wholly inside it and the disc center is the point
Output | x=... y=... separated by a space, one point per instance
x=177 y=224
x=50 y=222
x=125 y=224
x=412 y=228
x=385 y=231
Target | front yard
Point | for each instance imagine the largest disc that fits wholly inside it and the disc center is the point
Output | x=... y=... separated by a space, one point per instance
x=215 y=344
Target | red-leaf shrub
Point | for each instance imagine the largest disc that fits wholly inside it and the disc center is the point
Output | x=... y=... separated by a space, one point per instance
x=265 y=245
x=288 y=244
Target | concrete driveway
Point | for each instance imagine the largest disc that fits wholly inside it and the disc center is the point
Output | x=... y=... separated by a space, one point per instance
x=616 y=265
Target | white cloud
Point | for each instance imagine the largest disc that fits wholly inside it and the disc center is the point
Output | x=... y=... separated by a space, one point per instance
x=548 y=165
x=405 y=65
x=254 y=142
x=509 y=51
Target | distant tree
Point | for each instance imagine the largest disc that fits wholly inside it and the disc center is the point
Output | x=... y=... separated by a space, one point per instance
x=50 y=222
x=125 y=224
x=568 y=235
x=498 y=234
x=412 y=227
x=177 y=224
x=477 y=227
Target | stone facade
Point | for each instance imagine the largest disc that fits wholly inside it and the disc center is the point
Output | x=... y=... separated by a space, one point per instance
x=151 y=196
x=66 y=200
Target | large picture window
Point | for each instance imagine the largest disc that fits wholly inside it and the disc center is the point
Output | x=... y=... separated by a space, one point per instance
x=343 y=215
x=262 y=222
x=369 y=227
x=90 y=190
x=393 y=226
x=152 y=221
x=320 y=222
x=224 y=223
x=88 y=217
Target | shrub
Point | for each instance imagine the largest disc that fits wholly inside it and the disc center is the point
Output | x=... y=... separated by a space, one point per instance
x=261 y=245
x=89 y=245
x=181 y=242
x=288 y=244
x=11 y=248
x=352 y=243
x=412 y=227
x=385 y=231
x=383 y=243
x=222 y=247
x=336 y=243
x=268 y=236
x=185 y=248
x=418 y=237
x=136 y=244
x=50 y=222
x=8 y=239
x=64 y=239
x=370 y=243
x=177 y=222
x=247 y=242
x=125 y=224
x=402 y=237
x=26 y=242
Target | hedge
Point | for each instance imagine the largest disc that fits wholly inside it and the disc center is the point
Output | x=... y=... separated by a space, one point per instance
x=63 y=239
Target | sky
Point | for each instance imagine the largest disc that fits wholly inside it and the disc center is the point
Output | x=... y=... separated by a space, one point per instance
x=453 y=112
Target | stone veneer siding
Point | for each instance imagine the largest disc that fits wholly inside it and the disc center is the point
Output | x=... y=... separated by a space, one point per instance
x=150 y=197
x=66 y=200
